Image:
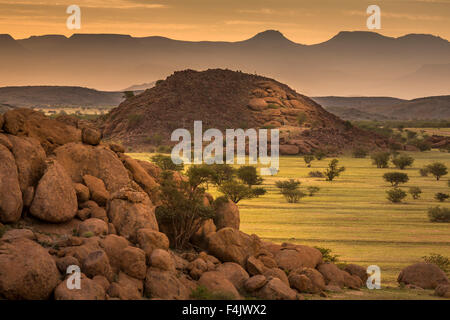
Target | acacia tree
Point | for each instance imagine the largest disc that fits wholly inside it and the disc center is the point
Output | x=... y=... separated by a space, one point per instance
x=403 y=161
x=333 y=170
x=290 y=190
x=395 y=178
x=381 y=159
x=437 y=169
x=308 y=159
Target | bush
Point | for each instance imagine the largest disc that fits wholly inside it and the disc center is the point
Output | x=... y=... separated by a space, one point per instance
x=320 y=155
x=221 y=173
x=249 y=176
x=395 y=178
x=421 y=144
x=327 y=256
x=312 y=190
x=403 y=161
x=316 y=174
x=166 y=163
x=135 y=120
x=424 y=172
x=441 y=261
x=437 y=169
x=396 y=195
x=237 y=191
x=438 y=214
x=182 y=208
x=359 y=153
x=164 y=149
x=308 y=159
x=333 y=170
x=441 y=196
x=415 y=192
x=290 y=190
x=381 y=159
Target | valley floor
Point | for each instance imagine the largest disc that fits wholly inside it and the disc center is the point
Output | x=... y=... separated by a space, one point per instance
x=352 y=217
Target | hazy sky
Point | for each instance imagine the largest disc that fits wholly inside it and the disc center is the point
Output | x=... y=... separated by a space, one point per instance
x=303 y=21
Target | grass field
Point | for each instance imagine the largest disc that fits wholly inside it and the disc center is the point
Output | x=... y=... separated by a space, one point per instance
x=352 y=216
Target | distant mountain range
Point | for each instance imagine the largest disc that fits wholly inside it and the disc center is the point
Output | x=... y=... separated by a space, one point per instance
x=386 y=108
x=356 y=63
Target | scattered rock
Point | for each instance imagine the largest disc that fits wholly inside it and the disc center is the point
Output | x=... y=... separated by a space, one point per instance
x=91 y=136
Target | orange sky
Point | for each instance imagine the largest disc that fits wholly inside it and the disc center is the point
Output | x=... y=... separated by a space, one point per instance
x=302 y=21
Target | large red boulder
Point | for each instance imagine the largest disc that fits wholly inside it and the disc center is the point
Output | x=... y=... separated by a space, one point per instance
x=423 y=275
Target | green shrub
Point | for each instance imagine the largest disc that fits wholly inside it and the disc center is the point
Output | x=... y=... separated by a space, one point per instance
x=438 y=214
x=249 y=175
x=312 y=190
x=441 y=261
x=164 y=149
x=166 y=163
x=396 y=178
x=396 y=195
x=381 y=159
x=290 y=190
x=202 y=293
x=441 y=196
x=308 y=159
x=135 y=120
x=327 y=256
x=415 y=192
x=403 y=161
x=237 y=191
x=316 y=174
x=424 y=172
x=333 y=171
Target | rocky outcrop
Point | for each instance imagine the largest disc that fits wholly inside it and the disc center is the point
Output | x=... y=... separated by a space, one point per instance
x=11 y=202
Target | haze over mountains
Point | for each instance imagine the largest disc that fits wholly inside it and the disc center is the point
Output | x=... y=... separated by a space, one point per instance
x=351 y=63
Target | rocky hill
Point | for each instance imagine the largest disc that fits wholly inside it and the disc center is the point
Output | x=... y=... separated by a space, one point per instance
x=225 y=99
x=68 y=200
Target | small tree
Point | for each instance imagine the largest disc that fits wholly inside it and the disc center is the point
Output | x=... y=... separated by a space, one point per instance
x=308 y=159
x=441 y=261
x=396 y=195
x=315 y=174
x=221 y=173
x=249 y=176
x=128 y=94
x=182 y=209
x=415 y=192
x=320 y=155
x=290 y=190
x=441 y=196
x=424 y=172
x=438 y=214
x=166 y=163
x=333 y=170
x=396 y=178
x=312 y=190
x=403 y=161
x=437 y=169
x=237 y=191
x=381 y=159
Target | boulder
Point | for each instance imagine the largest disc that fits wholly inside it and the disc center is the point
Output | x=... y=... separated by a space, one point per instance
x=117 y=148
x=218 y=284
x=255 y=266
x=92 y=227
x=235 y=274
x=65 y=262
x=200 y=238
x=90 y=290
x=289 y=149
x=227 y=216
x=294 y=257
x=257 y=104
x=11 y=202
x=126 y=288
x=55 y=199
x=97 y=264
x=101 y=280
x=276 y=273
x=356 y=270
x=114 y=245
x=82 y=192
x=128 y=216
x=152 y=169
x=49 y=132
x=443 y=290
x=18 y=233
x=315 y=283
x=275 y=289
x=149 y=240
x=91 y=136
x=100 y=162
x=30 y=160
x=351 y=281
x=424 y=275
x=231 y=245
x=254 y=283
x=166 y=285
x=196 y=268
x=27 y=271
x=140 y=175
x=332 y=274
x=162 y=259
x=133 y=262
x=97 y=189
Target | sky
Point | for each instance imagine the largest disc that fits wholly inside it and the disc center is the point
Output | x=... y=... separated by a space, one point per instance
x=302 y=21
